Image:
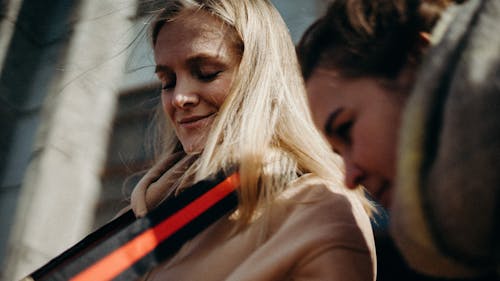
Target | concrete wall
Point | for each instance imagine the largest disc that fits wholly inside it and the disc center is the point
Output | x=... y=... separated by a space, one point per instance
x=62 y=180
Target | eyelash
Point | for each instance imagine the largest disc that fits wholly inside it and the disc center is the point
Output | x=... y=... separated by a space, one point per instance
x=200 y=76
x=167 y=86
x=342 y=131
x=208 y=77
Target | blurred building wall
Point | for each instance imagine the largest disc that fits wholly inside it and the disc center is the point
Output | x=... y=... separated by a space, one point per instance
x=58 y=88
x=77 y=90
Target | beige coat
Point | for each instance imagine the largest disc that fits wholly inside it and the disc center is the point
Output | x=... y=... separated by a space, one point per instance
x=313 y=233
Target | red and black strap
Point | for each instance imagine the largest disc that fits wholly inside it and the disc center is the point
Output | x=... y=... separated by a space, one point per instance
x=126 y=248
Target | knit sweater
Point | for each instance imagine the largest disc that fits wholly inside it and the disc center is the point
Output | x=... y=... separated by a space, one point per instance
x=446 y=207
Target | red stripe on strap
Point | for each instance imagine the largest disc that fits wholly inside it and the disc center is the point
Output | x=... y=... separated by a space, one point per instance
x=122 y=258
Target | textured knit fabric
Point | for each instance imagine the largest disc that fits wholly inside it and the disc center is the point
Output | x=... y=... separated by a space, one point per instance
x=447 y=205
x=313 y=232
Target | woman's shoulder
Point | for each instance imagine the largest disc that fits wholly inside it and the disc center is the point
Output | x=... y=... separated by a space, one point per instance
x=320 y=221
x=311 y=191
x=327 y=208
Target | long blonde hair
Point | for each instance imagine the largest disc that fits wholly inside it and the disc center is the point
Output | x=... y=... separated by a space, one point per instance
x=264 y=124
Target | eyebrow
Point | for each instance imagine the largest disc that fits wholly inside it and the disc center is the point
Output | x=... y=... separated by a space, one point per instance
x=204 y=58
x=193 y=61
x=331 y=118
x=162 y=68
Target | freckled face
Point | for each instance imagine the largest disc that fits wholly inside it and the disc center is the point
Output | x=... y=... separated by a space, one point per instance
x=360 y=118
x=195 y=62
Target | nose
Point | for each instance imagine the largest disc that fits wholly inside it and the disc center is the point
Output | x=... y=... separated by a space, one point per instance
x=353 y=174
x=185 y=95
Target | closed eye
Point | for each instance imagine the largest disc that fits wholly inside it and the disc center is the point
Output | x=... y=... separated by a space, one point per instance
x=339 y=125
x=167 y=77
x=168 y=85
x=208 y=77
x=206 y=68
x=343 y=131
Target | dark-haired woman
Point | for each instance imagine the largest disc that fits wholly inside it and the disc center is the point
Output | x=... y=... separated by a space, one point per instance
x=359 y=62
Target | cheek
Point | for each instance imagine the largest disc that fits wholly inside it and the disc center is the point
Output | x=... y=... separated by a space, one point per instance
x=317 y=112
x=388 y=133
x=218 y=92
x=167 y=107
x=374 y=148
x=366 y=148
x=218 y=99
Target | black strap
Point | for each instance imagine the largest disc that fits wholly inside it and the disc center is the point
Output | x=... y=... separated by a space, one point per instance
x=126 y=248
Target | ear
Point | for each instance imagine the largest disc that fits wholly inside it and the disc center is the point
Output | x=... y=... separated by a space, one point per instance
x=424 y=40
x=421 y=45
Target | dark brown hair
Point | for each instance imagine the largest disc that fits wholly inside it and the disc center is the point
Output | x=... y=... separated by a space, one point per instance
x=368 y=37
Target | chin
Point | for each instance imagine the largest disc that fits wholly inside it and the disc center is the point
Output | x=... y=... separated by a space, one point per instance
x=194 y=147
x=191 y=149
x=192 y=152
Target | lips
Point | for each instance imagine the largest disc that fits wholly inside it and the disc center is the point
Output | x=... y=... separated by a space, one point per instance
x=195 y=122
x=193 y=119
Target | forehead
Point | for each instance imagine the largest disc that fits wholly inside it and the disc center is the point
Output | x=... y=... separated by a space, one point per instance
x=326 y=85
x=327 y=88
x=192 y=32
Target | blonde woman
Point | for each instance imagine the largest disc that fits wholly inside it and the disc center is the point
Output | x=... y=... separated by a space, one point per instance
x=231 y=94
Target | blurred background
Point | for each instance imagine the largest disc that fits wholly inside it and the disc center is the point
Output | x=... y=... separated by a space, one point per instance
x=77 y=90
